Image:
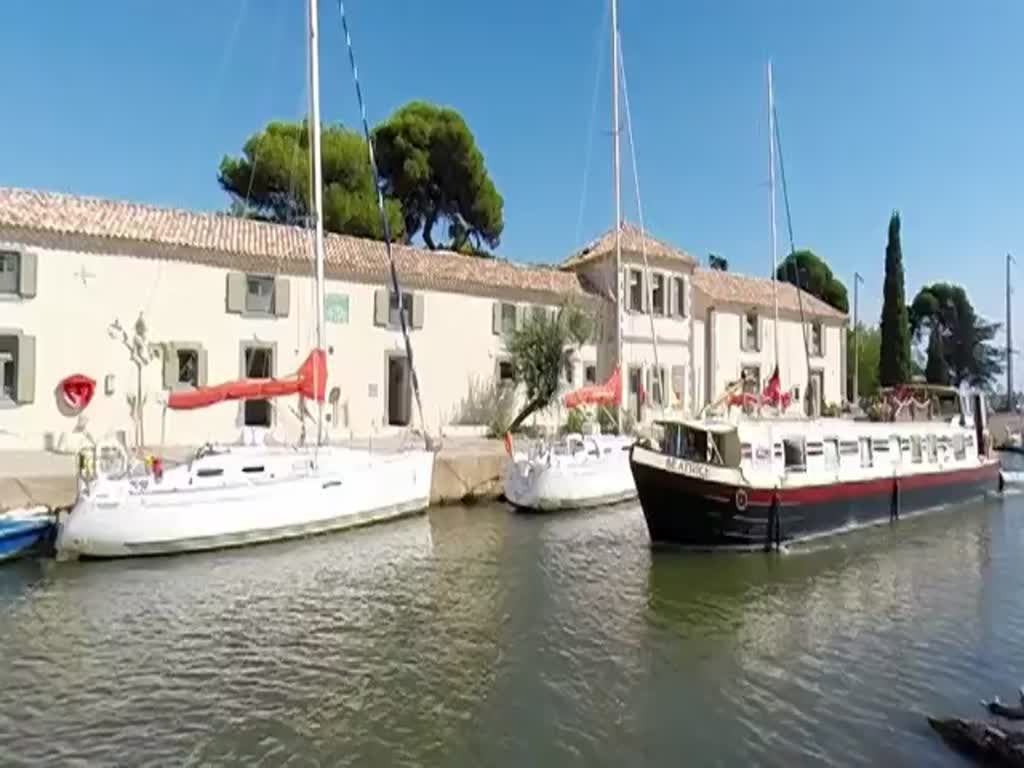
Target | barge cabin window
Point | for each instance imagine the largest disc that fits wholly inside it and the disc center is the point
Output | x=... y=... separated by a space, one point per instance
x=831 y=450
x=794 y=451
x=706 y=446
x=915 y=449
x=866 y=456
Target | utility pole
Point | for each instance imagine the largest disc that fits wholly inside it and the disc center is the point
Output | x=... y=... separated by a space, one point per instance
x=856 y=339
x=1010 y=399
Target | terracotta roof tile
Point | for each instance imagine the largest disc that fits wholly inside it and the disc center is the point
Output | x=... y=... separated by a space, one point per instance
x=633 y=241
x=260 y=244
x=731 y=288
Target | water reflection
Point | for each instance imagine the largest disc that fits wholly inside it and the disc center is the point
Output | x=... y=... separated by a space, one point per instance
x=474 y=636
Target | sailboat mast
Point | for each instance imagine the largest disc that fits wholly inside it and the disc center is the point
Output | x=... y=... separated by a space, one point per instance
x=317 y=175
x=771 y=198
x=616 y=181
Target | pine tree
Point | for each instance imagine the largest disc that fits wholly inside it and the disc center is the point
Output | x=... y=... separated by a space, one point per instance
x=894 y=360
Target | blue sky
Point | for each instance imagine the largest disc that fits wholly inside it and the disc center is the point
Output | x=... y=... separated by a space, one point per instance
x=913 y=104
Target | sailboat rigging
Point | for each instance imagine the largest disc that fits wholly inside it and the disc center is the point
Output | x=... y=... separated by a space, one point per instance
x=235 y=495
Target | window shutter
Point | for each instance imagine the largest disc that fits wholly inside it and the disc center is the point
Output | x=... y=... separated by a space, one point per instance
x=380 y=307
x=644 y=298
x=520 y=315
x=282 y=296
x=170 y=366
x=27 y=274
x=496 y=317
x=202 y=367
x=25 y=386
x=236 y=287
x=417 y=310
x=670 y=288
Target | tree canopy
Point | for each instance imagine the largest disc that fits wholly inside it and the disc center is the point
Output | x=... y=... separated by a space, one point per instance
x=538 y=351
x=429 y=161
x=271 y=180
x=894 y=360
x=960 y=344
x=718 y=262
x=807 y=270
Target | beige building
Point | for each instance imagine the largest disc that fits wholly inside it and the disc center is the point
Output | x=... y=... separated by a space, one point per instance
x=220 y=298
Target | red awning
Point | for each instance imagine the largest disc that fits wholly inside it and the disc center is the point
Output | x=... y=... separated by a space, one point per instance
x=609 y=393
x=310 y=381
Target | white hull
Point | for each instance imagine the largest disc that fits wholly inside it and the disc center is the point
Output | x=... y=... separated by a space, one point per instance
x=243 y=496
x=582 y=473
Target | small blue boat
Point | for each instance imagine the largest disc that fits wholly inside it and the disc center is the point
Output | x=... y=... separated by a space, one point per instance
x=25 y=533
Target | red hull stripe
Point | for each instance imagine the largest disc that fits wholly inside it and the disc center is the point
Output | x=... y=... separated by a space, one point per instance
x=853 y=489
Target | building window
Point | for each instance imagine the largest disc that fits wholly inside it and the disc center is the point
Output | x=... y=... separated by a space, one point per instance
x=636 y=290
x=817 y=340
x=259 y=295
x=750 y=341
x=10 y=269
x=590 y=374
x=17 y=369
x=506 y=372
x=393 y=309
x=656 y=381
x=7 y=378
x=569 y=369
x=509 y=315
x=815 y=402
x=750 y=375
x=679 y=291
x=658 y=294
x=188 y=367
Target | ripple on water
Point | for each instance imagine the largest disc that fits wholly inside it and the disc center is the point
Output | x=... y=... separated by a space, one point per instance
x=479 y=637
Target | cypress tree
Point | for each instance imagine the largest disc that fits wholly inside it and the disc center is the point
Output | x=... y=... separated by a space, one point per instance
x=894 y=358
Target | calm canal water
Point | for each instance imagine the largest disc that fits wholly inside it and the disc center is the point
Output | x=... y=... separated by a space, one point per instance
x=477 y=637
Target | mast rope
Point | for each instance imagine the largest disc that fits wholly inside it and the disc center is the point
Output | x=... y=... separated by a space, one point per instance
x=792 y=245
x=384 y=222
x=643 y=235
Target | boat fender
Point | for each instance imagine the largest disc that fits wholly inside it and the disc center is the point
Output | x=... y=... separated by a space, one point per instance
x=741 y=500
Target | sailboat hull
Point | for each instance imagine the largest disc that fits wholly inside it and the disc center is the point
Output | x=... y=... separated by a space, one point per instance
x=184 y=512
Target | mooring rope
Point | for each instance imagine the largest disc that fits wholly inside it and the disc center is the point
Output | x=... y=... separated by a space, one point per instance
x=383 y=221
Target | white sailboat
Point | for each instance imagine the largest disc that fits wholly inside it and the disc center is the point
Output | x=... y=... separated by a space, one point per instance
x=233 y=495
x=579 y=471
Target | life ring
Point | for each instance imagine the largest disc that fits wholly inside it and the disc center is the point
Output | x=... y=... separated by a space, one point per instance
x=77 y=390
x=741 y=500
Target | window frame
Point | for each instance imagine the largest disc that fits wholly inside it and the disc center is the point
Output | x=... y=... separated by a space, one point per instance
x=248 y=307
x=819 y=350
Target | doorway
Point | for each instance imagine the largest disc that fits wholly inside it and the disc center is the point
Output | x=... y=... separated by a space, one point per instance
x=636 y=392
x=815 y=386
x=257 y=363
x=399 y=391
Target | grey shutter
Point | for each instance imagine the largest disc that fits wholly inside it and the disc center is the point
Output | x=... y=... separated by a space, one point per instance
x=25 y=386
x=282 y=296
x=236 y=287
x=27 y=275
x=201 y=353
x=380 y=307
x=670 y=288
x=170 y=366
x=645 y=286
x=496 y=318
x=520 y=315
x=417 y=310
